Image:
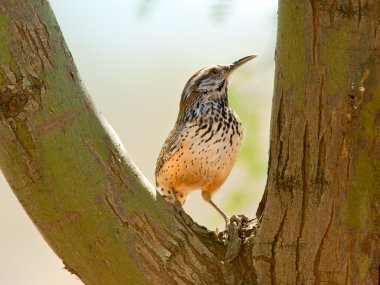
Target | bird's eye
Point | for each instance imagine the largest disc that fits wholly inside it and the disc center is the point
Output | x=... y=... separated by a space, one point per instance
x=214 y=71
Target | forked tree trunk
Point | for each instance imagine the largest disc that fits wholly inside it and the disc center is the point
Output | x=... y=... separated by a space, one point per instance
x=320 y=211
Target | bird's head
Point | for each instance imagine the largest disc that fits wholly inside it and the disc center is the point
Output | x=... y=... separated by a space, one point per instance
x=210 y=82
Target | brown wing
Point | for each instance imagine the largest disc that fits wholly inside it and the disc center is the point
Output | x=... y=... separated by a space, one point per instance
x=169 y=148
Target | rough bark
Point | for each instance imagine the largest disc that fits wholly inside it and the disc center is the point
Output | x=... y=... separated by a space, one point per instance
x=321 y=205
x=320 y=212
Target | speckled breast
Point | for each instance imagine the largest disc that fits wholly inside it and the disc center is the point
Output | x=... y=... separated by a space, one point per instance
x=205 y=155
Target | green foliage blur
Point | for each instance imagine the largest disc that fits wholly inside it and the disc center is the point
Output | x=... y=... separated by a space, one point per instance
x=252 y=161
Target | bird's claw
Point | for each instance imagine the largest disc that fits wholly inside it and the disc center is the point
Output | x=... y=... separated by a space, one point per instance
x=233 y=219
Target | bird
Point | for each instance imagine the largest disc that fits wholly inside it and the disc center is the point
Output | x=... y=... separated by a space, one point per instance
x=202 y=146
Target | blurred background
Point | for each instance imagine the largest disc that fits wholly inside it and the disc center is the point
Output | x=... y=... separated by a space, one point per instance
x=134 y=58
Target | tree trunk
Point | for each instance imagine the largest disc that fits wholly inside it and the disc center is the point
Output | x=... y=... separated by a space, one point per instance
x=321 y=207
x=320 y=212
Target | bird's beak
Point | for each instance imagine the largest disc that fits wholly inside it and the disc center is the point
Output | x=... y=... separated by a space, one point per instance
x=240 y=62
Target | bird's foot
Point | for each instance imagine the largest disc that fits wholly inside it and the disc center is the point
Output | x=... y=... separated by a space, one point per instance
x=232 y=238
x=236 y=219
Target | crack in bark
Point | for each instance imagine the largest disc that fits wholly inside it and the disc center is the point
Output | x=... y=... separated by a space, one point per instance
x=280 y=114
x=348 y=165
x=191 y=261
x=321 y=168
x=347 y=274
x=69 y=218
x=96 y=155
x=151 y=258
x=316 y=17
x=282 y=158
x=350 y=9
x=45 y=28
x=21 y=31
x=274 y=245
x=376 y=28
x=154 y=273
x=332 y=10
x=320 y=103
x=263 y=258
x=181 y=280
x=116 y=167
x=32 y=39
x=280 y=121
x=61 y=121
x=149 y=248
x=359 y=13
x=305 y=195
x=27 y=145
x=114 y=210
x=318 y=254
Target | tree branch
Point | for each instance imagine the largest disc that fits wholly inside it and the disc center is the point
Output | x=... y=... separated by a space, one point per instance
x=71 y=174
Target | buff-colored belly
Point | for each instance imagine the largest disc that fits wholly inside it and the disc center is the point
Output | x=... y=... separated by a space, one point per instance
x=201 y=162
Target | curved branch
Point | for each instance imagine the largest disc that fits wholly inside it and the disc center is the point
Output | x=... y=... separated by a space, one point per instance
x=78 y=185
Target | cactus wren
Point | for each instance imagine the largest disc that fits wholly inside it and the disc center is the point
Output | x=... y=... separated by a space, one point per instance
x=203 y=145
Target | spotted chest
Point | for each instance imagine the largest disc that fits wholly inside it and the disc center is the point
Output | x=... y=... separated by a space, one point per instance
x=204 y=154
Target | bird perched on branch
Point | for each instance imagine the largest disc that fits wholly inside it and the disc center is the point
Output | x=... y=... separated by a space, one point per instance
x=203 y=145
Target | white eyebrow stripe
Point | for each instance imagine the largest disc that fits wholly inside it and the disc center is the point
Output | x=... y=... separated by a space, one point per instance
x=201 y=73
x=204 y=71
